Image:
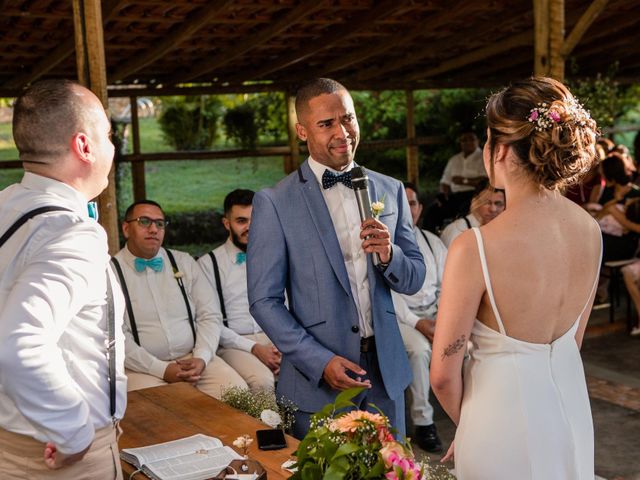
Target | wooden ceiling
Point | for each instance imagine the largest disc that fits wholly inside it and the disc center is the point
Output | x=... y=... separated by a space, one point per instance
x=365 y=44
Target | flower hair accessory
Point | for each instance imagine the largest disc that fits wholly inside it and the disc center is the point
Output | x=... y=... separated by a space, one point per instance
x=545 y=116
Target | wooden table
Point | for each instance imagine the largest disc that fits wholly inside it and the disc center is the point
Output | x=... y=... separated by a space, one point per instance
x=160 y=414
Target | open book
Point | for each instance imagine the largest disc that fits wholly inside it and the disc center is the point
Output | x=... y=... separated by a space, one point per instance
x=193 y=458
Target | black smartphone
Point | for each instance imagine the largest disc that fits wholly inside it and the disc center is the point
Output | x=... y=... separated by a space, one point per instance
x=272 y=439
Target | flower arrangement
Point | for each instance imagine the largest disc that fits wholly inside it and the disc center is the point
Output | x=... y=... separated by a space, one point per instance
x=262 y=405
x=357 y=445
x=544 y=116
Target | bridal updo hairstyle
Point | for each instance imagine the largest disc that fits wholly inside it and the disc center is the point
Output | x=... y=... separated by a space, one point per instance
x=552 y=136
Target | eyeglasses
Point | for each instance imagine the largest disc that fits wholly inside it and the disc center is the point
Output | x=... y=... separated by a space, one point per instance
x=146 y=222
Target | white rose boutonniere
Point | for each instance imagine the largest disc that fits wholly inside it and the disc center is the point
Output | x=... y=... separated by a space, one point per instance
x=377 y=207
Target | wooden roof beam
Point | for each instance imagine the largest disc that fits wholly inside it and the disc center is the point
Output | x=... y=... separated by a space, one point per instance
x=381 y=10
x=386 y=43
x=408 y=61
x=183 y=31
x=519 y=40
x=581 y=27
x=60 y=53
x=209 y=65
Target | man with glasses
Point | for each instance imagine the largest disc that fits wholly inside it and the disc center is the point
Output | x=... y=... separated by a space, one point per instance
x=172 y=323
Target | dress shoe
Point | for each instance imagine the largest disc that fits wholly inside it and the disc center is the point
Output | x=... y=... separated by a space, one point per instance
x=426 y=437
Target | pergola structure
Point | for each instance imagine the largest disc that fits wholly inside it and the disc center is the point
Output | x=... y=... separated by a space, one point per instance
x=170 y=47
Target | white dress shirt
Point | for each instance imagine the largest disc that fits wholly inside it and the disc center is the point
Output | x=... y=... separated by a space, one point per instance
x=411 y=308
x=460 y=166
x=53 y=323
x=161 y=313
x=456 y=227
x=233 y=276
x=343 y=208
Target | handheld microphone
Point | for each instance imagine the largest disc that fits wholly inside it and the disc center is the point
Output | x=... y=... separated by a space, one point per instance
x=360 y=183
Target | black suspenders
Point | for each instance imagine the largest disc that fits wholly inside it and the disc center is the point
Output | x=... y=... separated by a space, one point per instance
x=111 y=319
x=125 y=291
x=216 y=273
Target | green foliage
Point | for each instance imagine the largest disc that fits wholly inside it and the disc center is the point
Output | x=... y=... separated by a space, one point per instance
x=190 y=123
x=604 y=97
x=256 y=118
x=240 y=125
x=356 y=445
x=382 y=115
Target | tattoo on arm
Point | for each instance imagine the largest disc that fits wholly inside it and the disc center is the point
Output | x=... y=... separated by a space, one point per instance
x=454 y=347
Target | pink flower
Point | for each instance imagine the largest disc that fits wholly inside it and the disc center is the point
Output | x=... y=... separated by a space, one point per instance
x=555 y=116
x=392 y=453
x=534 y=116
x=384 y=436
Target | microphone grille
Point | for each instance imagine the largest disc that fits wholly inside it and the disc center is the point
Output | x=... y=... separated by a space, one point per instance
x=358 y=173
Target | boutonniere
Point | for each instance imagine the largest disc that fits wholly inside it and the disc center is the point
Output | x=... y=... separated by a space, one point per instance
x=177 y=274
x=377 y=207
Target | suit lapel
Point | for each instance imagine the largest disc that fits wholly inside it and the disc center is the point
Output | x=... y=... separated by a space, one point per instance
x=322 y=220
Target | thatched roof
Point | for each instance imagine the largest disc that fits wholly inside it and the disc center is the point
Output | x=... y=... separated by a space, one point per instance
x=365 y=44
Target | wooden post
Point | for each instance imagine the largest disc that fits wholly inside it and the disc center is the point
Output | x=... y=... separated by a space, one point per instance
x=556 y=39
x=291 y=161
x=413 y=174
x=92 y=73
x=137 y=167
x=541 y=37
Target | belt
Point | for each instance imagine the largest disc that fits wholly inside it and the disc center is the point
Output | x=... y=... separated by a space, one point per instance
x=367 y=344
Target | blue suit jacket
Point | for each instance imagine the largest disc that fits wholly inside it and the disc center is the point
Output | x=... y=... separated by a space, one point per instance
x=293 y=246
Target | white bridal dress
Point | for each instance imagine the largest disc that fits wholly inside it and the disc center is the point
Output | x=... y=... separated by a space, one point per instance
x=525 y=409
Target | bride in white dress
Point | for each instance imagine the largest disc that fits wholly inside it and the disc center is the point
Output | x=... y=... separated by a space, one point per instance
x=520 y=290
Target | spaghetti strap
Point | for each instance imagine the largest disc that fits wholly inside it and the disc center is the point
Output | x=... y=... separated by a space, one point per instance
x=595 y=282
x=487 y=280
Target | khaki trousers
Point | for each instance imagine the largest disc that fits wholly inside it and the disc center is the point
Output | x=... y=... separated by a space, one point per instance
x=216 y=377
x=257 y=375
x=22 y=457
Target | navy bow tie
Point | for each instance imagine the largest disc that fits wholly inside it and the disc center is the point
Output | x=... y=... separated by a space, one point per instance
x=329 y=179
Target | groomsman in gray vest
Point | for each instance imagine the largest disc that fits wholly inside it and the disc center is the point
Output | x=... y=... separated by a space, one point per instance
x=243 y=344
x=173 y=321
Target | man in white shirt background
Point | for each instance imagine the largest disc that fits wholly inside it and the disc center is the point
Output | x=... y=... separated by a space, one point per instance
x=172 y=324
x=62 y=385
x=487 y=203
x=243 y=344
x=416 y=318
x=462 y=173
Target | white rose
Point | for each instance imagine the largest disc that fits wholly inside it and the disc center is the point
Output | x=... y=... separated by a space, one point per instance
x=271 y=418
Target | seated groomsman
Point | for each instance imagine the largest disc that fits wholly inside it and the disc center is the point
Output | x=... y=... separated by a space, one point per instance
x=172 y=324
x=243 y=344
x=416 y=318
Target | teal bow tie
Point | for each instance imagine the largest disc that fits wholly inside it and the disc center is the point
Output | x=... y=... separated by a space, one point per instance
x=154 y=264
x=241 y=257
x=92 y=210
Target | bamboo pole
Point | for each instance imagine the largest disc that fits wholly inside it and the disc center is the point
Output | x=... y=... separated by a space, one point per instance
x=137 y=168
x=92 y=73
x=292 y=160
x=556 y=39
x=541 y=37
x=412 y=148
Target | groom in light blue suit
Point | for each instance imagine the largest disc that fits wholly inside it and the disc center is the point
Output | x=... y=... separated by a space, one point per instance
x=339 y=330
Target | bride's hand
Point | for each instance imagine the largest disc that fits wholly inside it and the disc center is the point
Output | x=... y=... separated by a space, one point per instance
x=449 y=455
